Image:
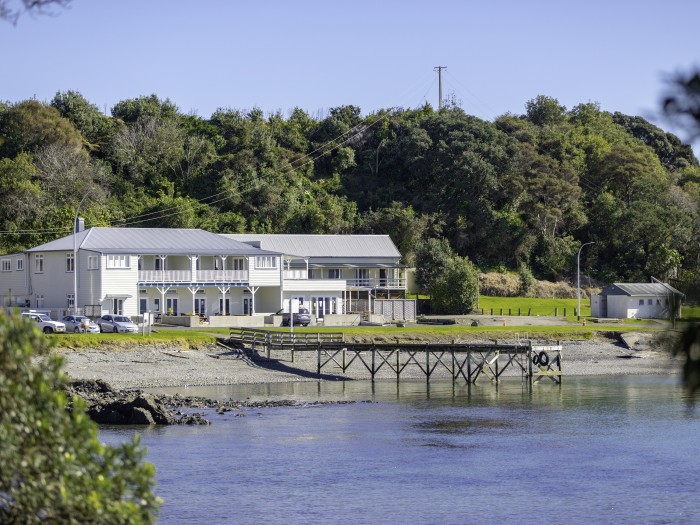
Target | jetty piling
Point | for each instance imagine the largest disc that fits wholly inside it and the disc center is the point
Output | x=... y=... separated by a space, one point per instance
x=464 y=361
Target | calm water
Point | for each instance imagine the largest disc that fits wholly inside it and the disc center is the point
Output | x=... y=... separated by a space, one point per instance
x=595 y=450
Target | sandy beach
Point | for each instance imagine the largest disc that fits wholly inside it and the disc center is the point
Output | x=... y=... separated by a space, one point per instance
x=639 y=353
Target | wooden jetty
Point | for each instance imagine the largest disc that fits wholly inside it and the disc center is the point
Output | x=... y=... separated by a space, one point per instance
x=464 y=361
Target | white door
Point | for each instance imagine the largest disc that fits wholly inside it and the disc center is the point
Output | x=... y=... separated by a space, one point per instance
x=323 y=306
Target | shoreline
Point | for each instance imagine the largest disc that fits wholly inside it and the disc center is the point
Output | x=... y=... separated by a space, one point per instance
x=157 y=366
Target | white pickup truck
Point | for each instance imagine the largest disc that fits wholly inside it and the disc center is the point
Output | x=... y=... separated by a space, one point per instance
x=45 y=323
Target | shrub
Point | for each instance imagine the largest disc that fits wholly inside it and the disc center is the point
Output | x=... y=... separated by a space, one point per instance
x=53 y=467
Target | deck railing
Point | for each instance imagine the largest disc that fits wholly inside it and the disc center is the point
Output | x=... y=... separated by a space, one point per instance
x=185 y=276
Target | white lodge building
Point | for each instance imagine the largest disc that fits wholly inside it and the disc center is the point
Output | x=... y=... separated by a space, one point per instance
x=132 y=271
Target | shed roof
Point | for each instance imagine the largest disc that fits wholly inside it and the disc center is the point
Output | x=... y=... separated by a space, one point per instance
x=312 y=245
x=151 y=241
x=640 y=289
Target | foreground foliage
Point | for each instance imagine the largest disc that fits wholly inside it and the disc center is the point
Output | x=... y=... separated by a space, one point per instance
x=54 y=468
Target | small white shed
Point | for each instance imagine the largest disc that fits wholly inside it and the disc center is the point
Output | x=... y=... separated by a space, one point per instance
x=637 y=301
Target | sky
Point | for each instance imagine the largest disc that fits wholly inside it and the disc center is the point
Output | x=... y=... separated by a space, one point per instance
x=316 y=55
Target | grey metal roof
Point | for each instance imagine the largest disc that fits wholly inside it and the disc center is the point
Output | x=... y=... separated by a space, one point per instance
x=152 y=241
x=322 y=245
x=640 y=289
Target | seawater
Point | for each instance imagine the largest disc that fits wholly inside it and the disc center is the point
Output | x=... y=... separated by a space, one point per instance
x=592 y=450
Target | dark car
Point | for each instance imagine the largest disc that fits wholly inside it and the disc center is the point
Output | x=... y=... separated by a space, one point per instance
x=302 y=317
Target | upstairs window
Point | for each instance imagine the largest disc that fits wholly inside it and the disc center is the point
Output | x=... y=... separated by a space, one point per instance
x=6 y=265
x=334 y=273
x=118 y=261
x=20 y=264
x=266 y=262
x=70 y=262
x=39 y=263
x=92 y=262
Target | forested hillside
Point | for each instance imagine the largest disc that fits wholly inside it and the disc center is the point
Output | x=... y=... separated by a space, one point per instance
x=524 y=191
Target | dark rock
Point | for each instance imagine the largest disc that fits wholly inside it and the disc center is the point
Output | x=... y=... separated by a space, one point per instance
x=160 y=413
x=141 y=416
x=194 y=419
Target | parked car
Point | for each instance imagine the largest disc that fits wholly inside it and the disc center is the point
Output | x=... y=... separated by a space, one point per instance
x=45 y=323
x=80 y=323
x=116 y=323
x=302 y=317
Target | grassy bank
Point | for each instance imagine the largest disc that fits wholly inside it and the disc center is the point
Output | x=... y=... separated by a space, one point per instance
x=533 y=306
x=196 y=338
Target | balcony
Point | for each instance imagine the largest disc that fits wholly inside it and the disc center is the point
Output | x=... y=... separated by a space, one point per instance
x=371 y=282
x=185 y=276
x=296 y=275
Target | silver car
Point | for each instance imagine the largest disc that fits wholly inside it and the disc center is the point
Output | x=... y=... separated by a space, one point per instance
x=80 y=323
x=116 y=323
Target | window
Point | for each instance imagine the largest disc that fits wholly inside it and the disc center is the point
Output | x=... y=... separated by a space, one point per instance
x=641 y=302
x=39 y=263
x=158 y=264
x=6 y=265
x=70 y=300
x=266 y=261
x=312 y=274
x=649 y=302
x=39 y=301
x=156 y=305
x=362 y=276
x=334 y=273
x=118 y=261
x=70 y=262
x=92 y=262
x=238 y=264
x=20 y=265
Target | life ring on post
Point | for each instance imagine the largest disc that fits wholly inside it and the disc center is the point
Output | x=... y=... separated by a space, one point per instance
x=543 y=358
x=535 y=359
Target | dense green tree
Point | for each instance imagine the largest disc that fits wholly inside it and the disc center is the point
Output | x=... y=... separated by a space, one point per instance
x=456 y=290
x=54 y=468
x=30 y=125
x=95 y=127
x=432 y=258
x=146 y=107
x=543 y=110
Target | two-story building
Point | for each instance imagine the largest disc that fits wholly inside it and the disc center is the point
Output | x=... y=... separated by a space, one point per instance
x=132 y=271
x=335 y=274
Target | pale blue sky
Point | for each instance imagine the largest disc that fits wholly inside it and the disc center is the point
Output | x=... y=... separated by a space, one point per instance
x=276 y=55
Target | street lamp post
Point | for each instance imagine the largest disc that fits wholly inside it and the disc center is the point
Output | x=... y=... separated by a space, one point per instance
x=75 y=254
x=578 y=277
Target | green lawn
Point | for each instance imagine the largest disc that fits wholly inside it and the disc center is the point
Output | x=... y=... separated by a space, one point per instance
x=502 y=305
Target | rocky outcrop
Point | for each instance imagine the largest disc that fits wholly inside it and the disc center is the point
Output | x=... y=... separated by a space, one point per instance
x=117 y=407
x=108 y=406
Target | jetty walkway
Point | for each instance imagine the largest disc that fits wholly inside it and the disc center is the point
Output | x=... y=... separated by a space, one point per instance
x=464 y=361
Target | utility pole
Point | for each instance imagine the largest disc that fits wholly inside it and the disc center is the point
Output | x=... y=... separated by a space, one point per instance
x=439 y=70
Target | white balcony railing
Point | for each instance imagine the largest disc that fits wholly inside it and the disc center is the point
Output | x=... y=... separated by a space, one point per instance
x=296 y=275
x=185 y=276
x=216 y=276
x=398 y=284
x=165 y=276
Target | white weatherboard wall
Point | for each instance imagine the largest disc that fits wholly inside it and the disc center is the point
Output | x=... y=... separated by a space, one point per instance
x=89 y=281
x=54 y=283
x=120 y=282
x=14 y=283
x=264 y=276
